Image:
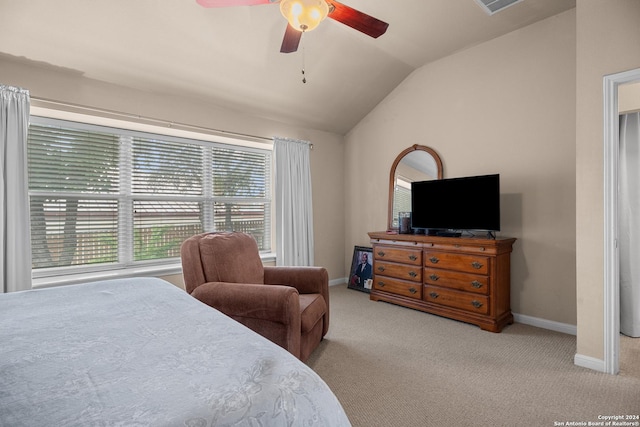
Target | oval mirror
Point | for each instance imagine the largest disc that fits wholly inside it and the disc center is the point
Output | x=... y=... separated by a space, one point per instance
x=416 y=163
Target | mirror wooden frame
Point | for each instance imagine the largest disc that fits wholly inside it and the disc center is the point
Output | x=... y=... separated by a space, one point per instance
x=392 y=176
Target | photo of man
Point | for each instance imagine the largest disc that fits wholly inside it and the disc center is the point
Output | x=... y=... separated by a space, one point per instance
x=361 y=269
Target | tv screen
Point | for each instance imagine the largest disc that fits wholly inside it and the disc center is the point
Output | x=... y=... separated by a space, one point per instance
x=467 y=203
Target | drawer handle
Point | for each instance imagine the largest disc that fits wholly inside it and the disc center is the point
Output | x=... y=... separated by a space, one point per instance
x=476 y=284
x=476 y=304
x=381 y=253
x=381 y=268
x=433 y=295
x=413 y=257
x=476 y=265
x=434 y=260
x=412 y=290
x=413 y=274
x=434 y=277
x=381 y=284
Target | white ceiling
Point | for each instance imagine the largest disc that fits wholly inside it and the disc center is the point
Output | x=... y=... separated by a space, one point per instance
x=231 y=56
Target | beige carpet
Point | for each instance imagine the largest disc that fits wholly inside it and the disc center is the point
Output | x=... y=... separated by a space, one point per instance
x=630 y=356
x=392 y=366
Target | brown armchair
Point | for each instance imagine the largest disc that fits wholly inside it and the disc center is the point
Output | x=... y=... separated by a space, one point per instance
x=287 y=305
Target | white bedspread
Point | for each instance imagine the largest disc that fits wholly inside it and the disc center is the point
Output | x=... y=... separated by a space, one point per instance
x=141 y=352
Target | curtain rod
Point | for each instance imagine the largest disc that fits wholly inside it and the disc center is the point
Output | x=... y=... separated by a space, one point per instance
x=166 y=123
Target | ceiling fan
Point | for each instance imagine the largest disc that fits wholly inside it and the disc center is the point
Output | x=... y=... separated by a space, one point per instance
x=305 y=15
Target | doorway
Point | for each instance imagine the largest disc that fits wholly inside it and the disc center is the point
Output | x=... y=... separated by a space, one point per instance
x=611 y=250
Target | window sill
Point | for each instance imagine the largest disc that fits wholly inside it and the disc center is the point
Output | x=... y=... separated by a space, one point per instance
x=154 y=270
x=74 y=279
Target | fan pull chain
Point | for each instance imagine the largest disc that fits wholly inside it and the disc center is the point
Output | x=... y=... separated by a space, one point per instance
x=304 y=77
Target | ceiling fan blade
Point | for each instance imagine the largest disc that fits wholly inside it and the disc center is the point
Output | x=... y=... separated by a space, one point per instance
x=357 y=20
x=291 y=40
x=225 y=3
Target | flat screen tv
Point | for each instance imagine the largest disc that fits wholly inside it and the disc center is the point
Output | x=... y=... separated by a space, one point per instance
x=456 y=204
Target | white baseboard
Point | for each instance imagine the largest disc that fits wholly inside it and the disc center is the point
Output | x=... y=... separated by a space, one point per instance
x=335 y=282
x=565 y=328
x=551 y=325
x=589 y=362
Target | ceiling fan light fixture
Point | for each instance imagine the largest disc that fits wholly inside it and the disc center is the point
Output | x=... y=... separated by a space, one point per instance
x=304 y=15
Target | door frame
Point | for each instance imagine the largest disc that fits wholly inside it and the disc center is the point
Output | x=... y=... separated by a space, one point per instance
x=611 y=250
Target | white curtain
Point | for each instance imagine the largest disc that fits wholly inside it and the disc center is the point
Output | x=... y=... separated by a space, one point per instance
x=15 y=253
x=630 y=224
x=294 y=210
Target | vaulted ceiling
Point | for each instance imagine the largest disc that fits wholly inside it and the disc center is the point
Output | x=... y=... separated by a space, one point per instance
x=230 y=56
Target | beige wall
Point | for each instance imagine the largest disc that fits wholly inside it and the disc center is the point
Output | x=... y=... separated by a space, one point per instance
x=608 y=37
x=506 y=106
x=326 y=158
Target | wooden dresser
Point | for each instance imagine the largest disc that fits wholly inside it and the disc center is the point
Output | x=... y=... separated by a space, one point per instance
x=466 y=279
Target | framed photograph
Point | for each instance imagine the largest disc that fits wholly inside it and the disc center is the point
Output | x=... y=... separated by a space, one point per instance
x=361 y=273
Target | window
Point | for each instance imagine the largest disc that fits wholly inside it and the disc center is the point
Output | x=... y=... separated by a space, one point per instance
x=108 y=198
x=401 y=198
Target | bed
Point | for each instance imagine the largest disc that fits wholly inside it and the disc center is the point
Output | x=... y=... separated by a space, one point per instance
x=142 y=352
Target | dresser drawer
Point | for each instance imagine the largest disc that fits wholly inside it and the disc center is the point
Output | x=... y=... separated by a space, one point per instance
x=397 y=286
x=460 y=248
x=405 y=256
x=400 y=271
x=456 y=299
x=452 y=261
x=455 y=280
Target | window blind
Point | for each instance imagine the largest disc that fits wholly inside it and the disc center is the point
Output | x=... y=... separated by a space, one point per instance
x=112 y=198
x=72 y=160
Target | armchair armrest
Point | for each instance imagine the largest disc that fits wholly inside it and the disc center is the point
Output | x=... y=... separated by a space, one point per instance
x=271 y=311
x=279 y=304
x=307 y=280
